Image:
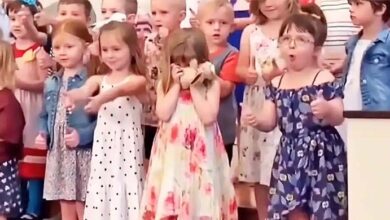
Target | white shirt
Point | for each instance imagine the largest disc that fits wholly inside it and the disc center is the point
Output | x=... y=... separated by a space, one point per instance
x=352 y=91
x=5 y=25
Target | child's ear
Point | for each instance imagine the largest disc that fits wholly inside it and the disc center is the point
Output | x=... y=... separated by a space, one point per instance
x=131 y=18
x=182 y=15
x=381 y=11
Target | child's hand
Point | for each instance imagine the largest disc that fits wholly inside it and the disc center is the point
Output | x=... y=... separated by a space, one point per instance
x=93 y=48
x=251 y=76
x=44 y=60
x=320 y=106
x=71 y=97
x=193 y=20
x=176 y=72
x=40 y=141
x=93 y=104
x=334 y=66
x=25 y=15
x=247 y=117
x=72 y=139
x=42 y=19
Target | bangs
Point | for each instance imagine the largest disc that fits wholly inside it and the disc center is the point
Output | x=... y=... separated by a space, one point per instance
x=17 y=5
x=300 y=23
x=182 y=54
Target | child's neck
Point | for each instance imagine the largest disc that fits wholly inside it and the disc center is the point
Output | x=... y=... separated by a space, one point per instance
x=71 y=72
x=215 y=47
x=23 y=43
x=371 y=31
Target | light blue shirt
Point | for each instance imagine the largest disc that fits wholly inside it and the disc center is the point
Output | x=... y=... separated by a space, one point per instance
x=5 y=25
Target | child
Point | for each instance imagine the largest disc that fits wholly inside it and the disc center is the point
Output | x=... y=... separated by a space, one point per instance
x=11 y=137
x=69 y=136
x=188 y=176
x=310 y=168
x=117 y=173
x=143 y=25
x=216 y=19
x=126 y=7
x=166 y=15
x=367 y=82
x=258 y=45
x=29 y=87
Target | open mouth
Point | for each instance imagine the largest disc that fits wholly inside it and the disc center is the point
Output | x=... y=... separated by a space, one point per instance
x=216 y=35
x=291 y=57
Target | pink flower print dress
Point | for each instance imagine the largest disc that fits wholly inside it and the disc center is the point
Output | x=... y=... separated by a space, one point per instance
x=257 y=149
x=188 y=174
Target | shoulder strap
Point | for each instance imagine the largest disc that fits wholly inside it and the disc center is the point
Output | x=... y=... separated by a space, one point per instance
x=315 y=77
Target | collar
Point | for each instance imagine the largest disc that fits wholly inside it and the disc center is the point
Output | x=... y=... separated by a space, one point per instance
x=82 y=75
x=383 y=36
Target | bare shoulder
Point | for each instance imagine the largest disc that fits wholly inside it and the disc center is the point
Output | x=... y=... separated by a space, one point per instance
x=248 y=29
x=96 y=79
x=275 y=81
x=324 y=76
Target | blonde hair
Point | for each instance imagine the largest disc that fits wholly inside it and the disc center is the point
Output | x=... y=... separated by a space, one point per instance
x=214 y=5
x=7 y=66
x=181 y=47
x=127 y=33
x=80 y=30
x=254 y=8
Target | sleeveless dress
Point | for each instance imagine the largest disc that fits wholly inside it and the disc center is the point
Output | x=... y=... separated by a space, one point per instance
x=33 y=163
x=257 y=149
x=310 y=167
x=117 y=174
x=188 y=175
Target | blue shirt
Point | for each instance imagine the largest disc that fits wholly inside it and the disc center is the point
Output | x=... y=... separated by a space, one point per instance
x=79 y=119
x=374 y=71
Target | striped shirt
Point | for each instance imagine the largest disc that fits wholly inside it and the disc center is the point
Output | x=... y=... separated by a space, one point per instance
x=340 y=27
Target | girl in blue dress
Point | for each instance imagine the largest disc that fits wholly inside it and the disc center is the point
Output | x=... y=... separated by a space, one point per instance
x=310 y=168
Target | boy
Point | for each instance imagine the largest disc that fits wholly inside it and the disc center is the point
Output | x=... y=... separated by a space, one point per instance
x=126 y=7
x=367 y=79
x=216 y=19
x=166 y=14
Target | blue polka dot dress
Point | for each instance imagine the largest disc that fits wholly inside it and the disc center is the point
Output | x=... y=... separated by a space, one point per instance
x=310 y=166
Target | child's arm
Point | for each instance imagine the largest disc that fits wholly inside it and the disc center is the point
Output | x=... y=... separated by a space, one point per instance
x=133 y=85
x=28 y=22
x=29 y=85
x=265 y=120
x=244 y=69
x=86 y=91
x=207 y=105
x=86 y=134
x=241 y=23
x=166 y=102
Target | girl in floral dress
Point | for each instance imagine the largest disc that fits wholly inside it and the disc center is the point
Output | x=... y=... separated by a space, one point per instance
x=259 y=44
x=309 y=171
x=188 y=174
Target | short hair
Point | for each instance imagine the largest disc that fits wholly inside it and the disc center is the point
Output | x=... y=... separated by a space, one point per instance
x=310 y=19
x=377 y=5
x=131 y=7
x=87 y=5
x=215 y=4
x=260 y=17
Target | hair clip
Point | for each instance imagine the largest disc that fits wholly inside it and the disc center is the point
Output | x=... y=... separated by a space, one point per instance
x=311 y=14
x=30 y=2
x=114 y=17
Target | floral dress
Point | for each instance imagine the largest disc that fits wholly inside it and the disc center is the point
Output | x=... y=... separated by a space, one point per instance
x=257 y=149
x=188 y=175
x=310 y=167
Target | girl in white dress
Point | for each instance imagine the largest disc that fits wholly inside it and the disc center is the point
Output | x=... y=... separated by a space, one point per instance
x=258 y=45
x=117 y=174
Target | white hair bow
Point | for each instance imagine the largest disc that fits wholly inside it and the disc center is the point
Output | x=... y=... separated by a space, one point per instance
x=114 y=17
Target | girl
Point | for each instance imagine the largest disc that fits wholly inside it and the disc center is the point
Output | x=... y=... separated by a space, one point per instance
x=259 y=44
x=117 y=173
x=309 y=171
x=69 y=136
x=188 y=175
x=29 y=86
x=11 y=137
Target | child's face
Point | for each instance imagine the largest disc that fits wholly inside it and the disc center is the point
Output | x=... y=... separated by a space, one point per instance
x=72 y=11
x=18 y=30
x=362 y=12
x=217 y=25
x=68 y=50
x=166 y=14
x=296 y=48
x=143 y=27
x=114 y=51
x=274 y=9
x=110 y=7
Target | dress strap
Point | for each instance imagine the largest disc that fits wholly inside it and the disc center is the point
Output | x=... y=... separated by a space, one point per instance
x=315 y=77
x=280 y=80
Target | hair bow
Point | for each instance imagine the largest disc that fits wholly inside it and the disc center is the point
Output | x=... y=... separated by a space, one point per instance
x=30 y=2
x=115 y=17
